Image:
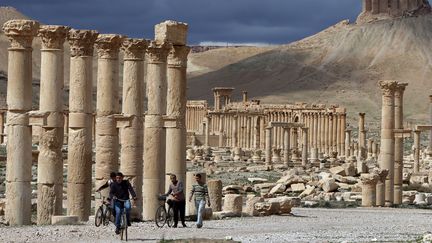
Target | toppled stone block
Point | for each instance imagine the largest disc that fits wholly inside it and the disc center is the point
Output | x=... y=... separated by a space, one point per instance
x=264 y=186
x=298 y=187
x=308 y=191
x=279 y=188
x=256 y=179
x=171 y=31
x=285 y=204
x=250 y=205
x=338 y=170
x=329 y=185
x=267 y=208
x=64 y=220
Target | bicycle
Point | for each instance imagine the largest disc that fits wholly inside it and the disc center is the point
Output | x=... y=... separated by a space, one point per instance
x=123 y=221
x=104 y=212
x=163 y=216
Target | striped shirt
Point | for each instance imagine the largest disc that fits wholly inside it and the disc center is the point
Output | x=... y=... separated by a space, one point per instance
x=200 y=191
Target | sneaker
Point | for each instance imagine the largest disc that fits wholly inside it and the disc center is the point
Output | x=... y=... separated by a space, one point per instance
x=117 y=231
x=129 y=224
x=199 y=226
x=184 y=225
x=175 y=226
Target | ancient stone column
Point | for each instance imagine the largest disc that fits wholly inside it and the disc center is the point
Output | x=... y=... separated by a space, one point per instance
x=322 y=132
x=342 y=134
x=387 y=137
x=335 y=132
x=268 y=145
x=79 y=177
x=430 y=132
x=347 y=143
x=380 y=187
x=305 y=146
x=19 y=102
x=107 y=104
x=383 y=6
x=369 y=148
x=131 y=139
x=215 y=194
x=417 y=151
x=221 y=131
x=315 y=130
x=338 y=134
x=326 y=134
x=369 y=182
x=375 y=146
x=330 y=143
x=262 y=132
x=367 y=5
x=361 y=137
x=295 y=148
x=235 y=132
x=50 y=161
x=176 y=109
x=154 y=133
x=207 y=131
x=375 y=6
x=287 y=150
x=399 y=146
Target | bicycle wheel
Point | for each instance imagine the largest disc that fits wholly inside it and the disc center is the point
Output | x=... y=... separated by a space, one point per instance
x=107 y=217
x=98 y=217
x=170 y=217
x=161 y=216
x=123 y=229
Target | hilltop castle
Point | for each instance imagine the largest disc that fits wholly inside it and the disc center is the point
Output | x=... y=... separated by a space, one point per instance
x=382 y=9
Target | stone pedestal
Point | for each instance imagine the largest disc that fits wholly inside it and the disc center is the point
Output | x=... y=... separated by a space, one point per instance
x=50 y=161
x=131 y=139
x=387 y=137
x=369 y=182
x=80 y=123
x=215 y=194
x=107 y=104
x=19 y=102
x=154 y=133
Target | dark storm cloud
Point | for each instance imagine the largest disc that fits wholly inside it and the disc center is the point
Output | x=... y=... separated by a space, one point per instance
x=234 y=21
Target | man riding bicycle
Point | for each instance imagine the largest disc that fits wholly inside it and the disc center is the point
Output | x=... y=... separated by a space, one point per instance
x=119 y=192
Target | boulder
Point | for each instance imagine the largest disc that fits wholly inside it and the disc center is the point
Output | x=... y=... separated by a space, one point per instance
x=298 y=187
x=308 y=191
x=249 y=209
x=279 y=188
x=285 y=204
x=267 y=208
x=338 y=170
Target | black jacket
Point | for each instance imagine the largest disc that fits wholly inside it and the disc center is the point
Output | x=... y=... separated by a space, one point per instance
x=121 y=190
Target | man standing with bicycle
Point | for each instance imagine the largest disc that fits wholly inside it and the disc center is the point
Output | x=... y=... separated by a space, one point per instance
x=177 y=199
x=119 y=192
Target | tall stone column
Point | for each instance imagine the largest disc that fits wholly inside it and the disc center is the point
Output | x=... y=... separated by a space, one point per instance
x=335 y=132
x=369 y=148
x=268 y=145
x=154 y=133
x=375 y=6
x=79 y=177
x=235 y=132
x=330 y=144
x=342 y=134
x=315 y=130
x=287 y=150
x=347 y=143
x=399 y=146
x=176 y=109
x=207 y=131
x=417 y=151
x=326 y=134
x=50 y=161
x=322 y=133
x=131 y=139
x=19 y=102
x=221 y=131
x=338 y=134
x=305 y=146
x=361 y=137
x=387 y=137
x=2 y=120
x=107 y=104
x=295 y=144
x=262 y=132
x=430 y=132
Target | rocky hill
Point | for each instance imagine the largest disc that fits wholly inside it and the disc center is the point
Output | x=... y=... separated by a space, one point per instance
x=341 y=64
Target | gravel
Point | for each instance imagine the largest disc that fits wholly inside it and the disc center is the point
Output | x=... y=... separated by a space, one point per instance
x=306 y=225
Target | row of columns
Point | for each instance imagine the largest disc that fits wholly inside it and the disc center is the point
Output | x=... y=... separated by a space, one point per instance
x=166 y=92
x=392 y=6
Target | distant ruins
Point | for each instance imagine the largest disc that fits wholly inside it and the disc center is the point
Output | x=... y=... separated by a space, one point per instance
x=381 y=9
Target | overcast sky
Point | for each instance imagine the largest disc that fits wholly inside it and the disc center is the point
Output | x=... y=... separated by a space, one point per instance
x=232 y=21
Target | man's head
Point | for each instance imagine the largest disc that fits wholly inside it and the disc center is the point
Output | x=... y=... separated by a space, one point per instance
x=198 y=178
x=173 y=178
x=119 y=177
x=113 y=175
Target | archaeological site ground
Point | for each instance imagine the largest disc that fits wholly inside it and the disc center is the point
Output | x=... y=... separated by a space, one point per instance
x=326 y=139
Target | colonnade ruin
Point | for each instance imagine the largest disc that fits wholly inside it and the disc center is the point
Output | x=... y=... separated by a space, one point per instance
x=168 y=134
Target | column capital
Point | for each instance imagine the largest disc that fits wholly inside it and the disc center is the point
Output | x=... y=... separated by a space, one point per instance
x=177 y=56
x=369 y=179
x=134 y=49
x=158 y=52
x=400 y=88
x=108 y=45
x=388 y=87
x=53 y=36
x=362 y=114
x=81 y=42
x=20 y=32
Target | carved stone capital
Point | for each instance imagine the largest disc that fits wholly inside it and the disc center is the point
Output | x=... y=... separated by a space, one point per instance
x=134 y=49
x=53 y=36
x=388 y=87
x=20 y=32
x=158 y=53
x=381 y=173
x=369 y=179
x=81 y=42
x=108 y=45
x=400 y=88
x=178 y=56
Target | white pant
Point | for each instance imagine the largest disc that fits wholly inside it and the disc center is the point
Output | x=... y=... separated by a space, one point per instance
x=200 y=205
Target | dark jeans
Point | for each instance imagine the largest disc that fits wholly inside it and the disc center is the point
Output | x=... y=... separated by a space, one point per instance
x=119 y=207
x=178 y=207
